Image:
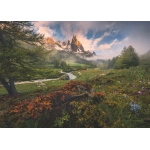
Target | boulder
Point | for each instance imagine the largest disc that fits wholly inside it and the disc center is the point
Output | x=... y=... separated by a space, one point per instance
x=64 y=77
x=79 y=73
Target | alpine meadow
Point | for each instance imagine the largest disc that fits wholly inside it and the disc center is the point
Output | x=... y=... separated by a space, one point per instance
x=74 y=74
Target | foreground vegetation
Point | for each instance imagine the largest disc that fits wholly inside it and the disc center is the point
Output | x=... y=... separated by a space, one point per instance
x=96 y=98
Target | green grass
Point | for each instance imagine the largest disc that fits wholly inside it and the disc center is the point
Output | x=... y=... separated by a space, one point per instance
x=119 y=88
x=33 y=87
x=47 y=73
x=89 y=73
x=2 y=90
x=76 y=64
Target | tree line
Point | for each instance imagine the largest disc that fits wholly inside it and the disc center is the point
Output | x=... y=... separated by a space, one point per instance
x=61 y=64
x=128 y=58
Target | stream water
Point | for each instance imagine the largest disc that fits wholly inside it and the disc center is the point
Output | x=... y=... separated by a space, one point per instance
x=71 y=77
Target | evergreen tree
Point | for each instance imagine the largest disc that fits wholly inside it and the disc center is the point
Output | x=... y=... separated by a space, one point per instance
x=56 y=62
x=107 y=64
x=68 y=67
x=63 y=65
x=127 y=59
x=15 y=58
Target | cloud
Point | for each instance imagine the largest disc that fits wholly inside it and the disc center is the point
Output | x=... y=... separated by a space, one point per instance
x=42 y=27
x=46 y=31
x=90 y=44
x=114 y=44
x=107 y=46
x=110 y=50
x=87 y=43
x=136 y=34
x=68 y=28
x=97 y=40
x=140 y=38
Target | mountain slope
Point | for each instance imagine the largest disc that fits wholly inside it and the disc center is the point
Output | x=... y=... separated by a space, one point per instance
x=145 y=59
x=66 y=56
x=145 y=56
x=72 y=45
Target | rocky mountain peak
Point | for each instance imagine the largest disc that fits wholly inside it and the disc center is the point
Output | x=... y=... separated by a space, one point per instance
x=94 y=53
x=49 y=40
x=71 y=45
x=76 y=45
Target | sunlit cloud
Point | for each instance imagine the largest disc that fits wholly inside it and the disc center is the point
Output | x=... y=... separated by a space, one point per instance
x=107 y=39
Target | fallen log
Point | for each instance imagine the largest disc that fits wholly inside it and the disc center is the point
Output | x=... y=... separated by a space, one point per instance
x=73 y=97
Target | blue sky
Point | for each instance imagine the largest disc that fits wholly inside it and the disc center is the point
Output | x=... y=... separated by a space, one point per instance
x=106 y=38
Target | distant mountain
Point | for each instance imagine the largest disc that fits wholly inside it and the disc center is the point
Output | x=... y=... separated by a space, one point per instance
x=145 y=56
x=72 y=46
x=67 y=56
x=98 y=61
x=63 y=51
x=76 y=46
x=145 y=59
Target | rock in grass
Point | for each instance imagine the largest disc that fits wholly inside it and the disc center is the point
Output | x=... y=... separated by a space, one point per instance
x=64 y=77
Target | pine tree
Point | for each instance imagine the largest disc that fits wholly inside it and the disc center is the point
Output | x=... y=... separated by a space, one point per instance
x=127 y=59
x=16 y=58
x=56 y=62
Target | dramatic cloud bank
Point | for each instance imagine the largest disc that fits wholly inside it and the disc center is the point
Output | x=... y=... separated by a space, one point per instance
x=107 y=39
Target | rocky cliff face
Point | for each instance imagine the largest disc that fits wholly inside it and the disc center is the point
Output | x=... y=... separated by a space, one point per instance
x=49 y=40
x=72 y=45
x=76 y=45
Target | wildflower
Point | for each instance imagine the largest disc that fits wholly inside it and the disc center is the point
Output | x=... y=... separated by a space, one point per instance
x=140 y=81
x=116 y=92
x=125 y=95
x=139 y=92
x=134 y=107
x=143 y=88
x=134 y=85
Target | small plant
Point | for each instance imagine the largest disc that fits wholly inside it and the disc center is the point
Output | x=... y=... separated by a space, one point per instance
x=59 y=122
x=97 y=97
x=134 y=107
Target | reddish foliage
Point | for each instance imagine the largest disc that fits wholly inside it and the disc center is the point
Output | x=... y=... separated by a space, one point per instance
x=45 y=103
x=33 y=108
x=98 y=96
x=74 y=86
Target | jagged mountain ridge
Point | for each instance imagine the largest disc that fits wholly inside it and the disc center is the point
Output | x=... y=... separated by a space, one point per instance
x=71 y=45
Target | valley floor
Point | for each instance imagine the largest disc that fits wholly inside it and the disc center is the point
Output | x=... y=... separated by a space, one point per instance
x=96 y=98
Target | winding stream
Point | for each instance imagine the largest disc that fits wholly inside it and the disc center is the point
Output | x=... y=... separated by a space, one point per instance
x=71 y=77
